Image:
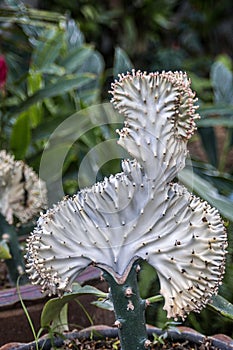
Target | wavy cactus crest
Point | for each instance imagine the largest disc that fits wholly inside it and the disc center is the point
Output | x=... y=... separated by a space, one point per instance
x=139 y=213
x=22 y=193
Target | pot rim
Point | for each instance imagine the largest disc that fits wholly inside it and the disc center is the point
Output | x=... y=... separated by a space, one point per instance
x=179 y=334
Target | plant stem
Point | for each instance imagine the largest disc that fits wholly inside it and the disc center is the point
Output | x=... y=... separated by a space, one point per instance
x=155 y=299
x=129 y=311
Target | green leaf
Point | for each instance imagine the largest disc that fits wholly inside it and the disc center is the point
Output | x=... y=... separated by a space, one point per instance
x=16 y=9
x=219 y=109
x=76 y=58
x=221 y=306
x=53 y=172
x=122 y=62
x=104 y=304
x=46 y=127
x=225 y=60
x=222 y=181
x=210 y=145
x=60 y=87
x=35 y=83
x=21 y=136
x=53 y=307
x=146 y=279
x=4 y=250
x=211 y=122
x=79 y=290
x=35 y=113
x=53 y=69
x=48 y=50
x=74 y=36
x=207 y=191
x=60 y=321
x=222 y=80
x=93 y=64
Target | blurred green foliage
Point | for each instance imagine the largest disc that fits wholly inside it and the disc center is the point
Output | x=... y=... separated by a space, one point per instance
x=52 y=74
x=161 y=34
x=61 y=58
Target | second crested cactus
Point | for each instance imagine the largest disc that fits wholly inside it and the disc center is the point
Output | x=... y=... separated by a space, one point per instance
x=22 y=196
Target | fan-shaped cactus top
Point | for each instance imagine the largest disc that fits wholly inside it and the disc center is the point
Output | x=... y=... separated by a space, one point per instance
x=139 y=213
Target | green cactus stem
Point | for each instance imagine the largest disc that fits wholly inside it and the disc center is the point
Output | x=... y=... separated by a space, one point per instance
x=129 y=310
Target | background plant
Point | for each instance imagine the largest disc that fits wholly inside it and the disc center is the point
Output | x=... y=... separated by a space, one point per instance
x=41 y=92
x=193 y=33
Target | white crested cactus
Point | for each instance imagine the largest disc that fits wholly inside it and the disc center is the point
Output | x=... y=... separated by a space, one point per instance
x=139 y=213
x=22 y=196
x=22 y=193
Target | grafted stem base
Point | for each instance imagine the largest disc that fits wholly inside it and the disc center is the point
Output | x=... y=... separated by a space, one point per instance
x=129 y=311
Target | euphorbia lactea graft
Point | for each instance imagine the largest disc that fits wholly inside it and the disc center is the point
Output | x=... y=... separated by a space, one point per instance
x=22 y=194
x=138 y=214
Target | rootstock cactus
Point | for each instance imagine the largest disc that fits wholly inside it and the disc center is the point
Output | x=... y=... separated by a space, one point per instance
x=138 y=214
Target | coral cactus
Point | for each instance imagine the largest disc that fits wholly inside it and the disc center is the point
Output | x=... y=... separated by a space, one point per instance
x=138 y=214
x=22 y=193
x=22 y=196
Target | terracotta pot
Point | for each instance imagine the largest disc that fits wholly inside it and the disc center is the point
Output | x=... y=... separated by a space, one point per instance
x=15 y=332
x=14 y=323
x=181 y=334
